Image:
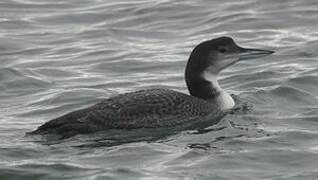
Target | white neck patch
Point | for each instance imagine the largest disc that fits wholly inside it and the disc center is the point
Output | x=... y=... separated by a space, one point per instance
x=224 y=100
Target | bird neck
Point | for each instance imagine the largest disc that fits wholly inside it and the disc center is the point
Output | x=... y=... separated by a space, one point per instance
x=204 y=85
x=196 y=81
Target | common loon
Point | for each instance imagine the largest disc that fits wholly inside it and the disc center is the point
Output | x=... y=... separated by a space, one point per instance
x=154 y=108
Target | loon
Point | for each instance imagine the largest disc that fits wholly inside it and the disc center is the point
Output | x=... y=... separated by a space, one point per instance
x=153 y=108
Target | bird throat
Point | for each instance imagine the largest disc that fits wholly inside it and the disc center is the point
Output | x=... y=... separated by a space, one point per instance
x=223 y=100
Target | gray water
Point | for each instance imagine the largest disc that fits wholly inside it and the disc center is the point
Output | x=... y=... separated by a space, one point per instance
x=58 y=56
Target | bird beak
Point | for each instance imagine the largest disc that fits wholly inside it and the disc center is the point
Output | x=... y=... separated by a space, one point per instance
x=246 y=53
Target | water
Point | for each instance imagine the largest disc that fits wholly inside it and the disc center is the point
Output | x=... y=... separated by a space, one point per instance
x=58 y=56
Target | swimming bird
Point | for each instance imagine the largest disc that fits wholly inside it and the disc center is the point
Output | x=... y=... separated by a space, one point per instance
x=153 y=108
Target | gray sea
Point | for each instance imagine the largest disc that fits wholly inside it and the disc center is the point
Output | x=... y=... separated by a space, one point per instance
x=59 y=56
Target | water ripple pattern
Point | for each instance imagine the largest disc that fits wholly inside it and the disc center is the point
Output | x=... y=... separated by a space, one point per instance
x=58 y=56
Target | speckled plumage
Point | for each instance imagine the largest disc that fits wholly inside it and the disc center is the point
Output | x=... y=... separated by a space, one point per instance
x=141 y=109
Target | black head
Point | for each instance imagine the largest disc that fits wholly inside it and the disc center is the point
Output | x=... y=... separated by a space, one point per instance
x=217 y=54
x=213 y=56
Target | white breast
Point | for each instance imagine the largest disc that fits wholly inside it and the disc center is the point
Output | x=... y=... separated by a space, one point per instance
x=225 y=101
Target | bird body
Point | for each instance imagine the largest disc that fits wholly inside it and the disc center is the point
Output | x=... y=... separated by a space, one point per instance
x=154 y=108
x=149 y=108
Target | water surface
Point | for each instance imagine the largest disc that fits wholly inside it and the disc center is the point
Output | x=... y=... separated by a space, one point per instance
x=58 y=56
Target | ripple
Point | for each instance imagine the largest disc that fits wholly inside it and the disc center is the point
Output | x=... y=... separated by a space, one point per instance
x=15 y=82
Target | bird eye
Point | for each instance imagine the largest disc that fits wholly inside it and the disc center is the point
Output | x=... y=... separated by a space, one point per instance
x=222 y=50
